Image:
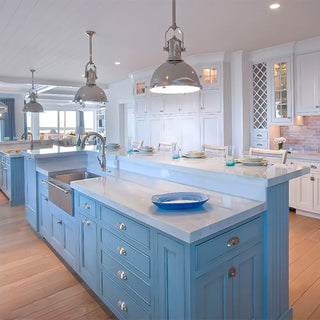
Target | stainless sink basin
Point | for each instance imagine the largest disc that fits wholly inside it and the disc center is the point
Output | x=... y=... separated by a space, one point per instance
x=73 y=176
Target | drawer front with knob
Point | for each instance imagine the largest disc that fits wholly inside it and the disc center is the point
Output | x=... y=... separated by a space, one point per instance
x=125 y=227
x=232 y=240
x=122 y=303
x=87 y=206
x=124 y=277
x=125 y=252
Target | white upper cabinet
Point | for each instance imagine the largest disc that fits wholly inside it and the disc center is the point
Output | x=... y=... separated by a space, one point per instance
x=156 y=103
x=171 y=103
x=307 y=90
x=211 y=101
x=189 y=103
x=140 y=107
x=280 y=102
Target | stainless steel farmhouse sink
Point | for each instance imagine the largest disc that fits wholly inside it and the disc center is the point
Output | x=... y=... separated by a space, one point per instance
x=60 y=192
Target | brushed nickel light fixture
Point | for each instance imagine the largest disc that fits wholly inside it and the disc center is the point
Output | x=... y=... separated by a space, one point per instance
x=90 y=93
x=33 y=105
x=174 y=76
x=3 y=110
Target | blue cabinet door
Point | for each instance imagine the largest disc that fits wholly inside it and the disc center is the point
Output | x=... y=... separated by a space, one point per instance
x=88 y=251
x=70 y=242
x=56 y=229
x=247 y=284
x=171 y=286
x=44 y=217
x=214 y=293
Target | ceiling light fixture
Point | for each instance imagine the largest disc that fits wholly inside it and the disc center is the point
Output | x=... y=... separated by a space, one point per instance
x=117 y=63
x=33 y=105
x=3 y=110
x=90 y=93
x=174 y=76
x=274 y=5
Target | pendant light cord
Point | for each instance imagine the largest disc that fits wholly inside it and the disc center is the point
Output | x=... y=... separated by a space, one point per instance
x=174 y=24
x=32 y=71
x=90 y=34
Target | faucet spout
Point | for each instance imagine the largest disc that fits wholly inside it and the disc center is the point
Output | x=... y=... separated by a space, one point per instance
x=25 y=136
x=102 y=161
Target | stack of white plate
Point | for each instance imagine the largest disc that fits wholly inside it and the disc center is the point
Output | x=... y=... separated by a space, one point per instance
x=253 y=161
x=146 y=149
x=113 y=146
x=194 y=154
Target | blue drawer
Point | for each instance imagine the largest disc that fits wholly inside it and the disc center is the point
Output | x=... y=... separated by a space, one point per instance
x=87 y=205
x=115 y=296
x=125 y=252
x=124 y=226
x=230 y=241
x=124 y=277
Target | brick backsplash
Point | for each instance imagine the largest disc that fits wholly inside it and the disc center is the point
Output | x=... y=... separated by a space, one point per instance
x=305 y=137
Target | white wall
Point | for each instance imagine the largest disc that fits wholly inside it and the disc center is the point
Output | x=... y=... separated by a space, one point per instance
x=18 y=110
x=117 y=93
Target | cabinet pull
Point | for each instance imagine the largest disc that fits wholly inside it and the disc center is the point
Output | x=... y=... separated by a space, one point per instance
x=86 y=222
x=122 y=251
x=313 y=166
x=121 y=226
x=259 y=135
x=232 y=272
x=317 y=107
x=86 y=206
x=46 y=199
x=312 y=178
x=122 y=275
x=259 y=144
x=122 y=305
x=59 y=222
x=234 y=241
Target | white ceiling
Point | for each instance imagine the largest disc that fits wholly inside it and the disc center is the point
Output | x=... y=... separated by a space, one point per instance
x=49 y=35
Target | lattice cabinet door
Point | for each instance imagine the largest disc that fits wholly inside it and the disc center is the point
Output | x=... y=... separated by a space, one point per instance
x=259 y=132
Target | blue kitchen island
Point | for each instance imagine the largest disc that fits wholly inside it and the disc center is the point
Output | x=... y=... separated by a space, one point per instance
x=226 y=260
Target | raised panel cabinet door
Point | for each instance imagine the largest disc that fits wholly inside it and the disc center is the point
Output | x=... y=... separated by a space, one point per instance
x=169 y=133
x=190 y=133
x=8 y=180
x=142 y=132
x=305 y=193
x=140 y=106
x=214 y=293
x=156 y=131
x=56 y=230
x=190 y=103
x=170 y=293
x=44 y=217
x=211 y=101
x=316 y=196
x=171 y=103
x=293 y=185
x=88 y=251
x=247 y=290
x=30 y=182
x=70 y=243
x=307 y=83
x=157 y=103
x=211 y=130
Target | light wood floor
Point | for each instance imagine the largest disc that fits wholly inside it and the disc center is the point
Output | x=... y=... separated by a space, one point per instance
x=35 y=284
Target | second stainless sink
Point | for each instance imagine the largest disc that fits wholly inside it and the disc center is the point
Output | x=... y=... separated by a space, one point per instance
x=73 y=176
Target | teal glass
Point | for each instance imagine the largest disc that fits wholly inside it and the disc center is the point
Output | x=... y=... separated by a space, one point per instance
x=230 y=156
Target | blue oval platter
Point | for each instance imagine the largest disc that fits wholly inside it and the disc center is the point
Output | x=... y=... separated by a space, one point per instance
x=180 y=200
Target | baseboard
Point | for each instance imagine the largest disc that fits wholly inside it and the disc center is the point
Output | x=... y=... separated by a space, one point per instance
x=287 y=315
x=308 y=214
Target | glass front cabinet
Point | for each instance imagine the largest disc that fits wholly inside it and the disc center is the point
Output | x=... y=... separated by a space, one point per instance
x=280 y=85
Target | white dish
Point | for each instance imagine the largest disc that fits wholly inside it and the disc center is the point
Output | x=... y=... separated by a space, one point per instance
x=261 y=163
x=191 y=156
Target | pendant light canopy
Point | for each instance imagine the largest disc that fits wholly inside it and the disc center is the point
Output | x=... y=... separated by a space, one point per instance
x=33 y=105
x=90 y=93
x=174 y=76
x=3 y=110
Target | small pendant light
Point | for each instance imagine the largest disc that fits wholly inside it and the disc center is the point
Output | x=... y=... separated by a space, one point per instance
x=3 y=110
x=33 y=105
x=90 y=93
x=174 y=76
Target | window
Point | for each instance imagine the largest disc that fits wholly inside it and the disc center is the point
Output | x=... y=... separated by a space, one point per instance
x=88 y=120
x=140 y=88
x=48 y=124
x=280 y=90
x=67 y=123
x=28 y=115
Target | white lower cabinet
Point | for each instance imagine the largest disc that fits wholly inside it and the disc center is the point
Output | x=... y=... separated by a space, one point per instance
x=189 y=133
x=211 y=130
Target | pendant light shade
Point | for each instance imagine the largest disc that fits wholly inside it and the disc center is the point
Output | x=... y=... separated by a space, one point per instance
x=90 y=93
x=174 y=76
x=3 y=110
x=33 y=105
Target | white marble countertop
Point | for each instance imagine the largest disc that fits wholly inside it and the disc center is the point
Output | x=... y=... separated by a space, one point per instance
x=131 y=194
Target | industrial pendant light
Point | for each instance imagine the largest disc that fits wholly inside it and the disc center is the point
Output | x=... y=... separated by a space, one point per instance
x=3 y=110
x=90 y=93
x=174 y=76
x=33 y=105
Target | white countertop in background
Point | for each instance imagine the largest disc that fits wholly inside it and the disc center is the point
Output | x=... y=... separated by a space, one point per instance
x=131 y=194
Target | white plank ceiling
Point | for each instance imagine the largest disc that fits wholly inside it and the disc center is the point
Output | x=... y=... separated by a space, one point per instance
x=49 y=35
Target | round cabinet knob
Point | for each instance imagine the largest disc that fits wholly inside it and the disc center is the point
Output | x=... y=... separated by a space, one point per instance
x=234 y=241
x=232 y=272
x=312 y=178
x=86 y=206
x=86 y=222
x=46 y=199
x=122 y=305
x=122 y=275
x=313 y=166
x=122 y=251
x=121 y=226
x=59 y=222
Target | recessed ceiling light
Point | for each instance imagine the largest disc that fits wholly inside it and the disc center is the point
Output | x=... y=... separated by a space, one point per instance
x=117 y=63
x=274 y=5
x=82 y=75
